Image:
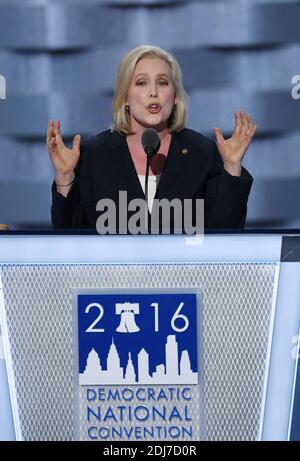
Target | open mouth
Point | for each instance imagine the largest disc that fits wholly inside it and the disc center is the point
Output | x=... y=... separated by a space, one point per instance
x=154 y=108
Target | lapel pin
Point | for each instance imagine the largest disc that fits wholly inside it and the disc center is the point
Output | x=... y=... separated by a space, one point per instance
x=184 y=151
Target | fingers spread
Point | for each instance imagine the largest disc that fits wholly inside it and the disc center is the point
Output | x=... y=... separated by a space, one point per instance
x=238 y=123
x=249 y=125
x=76 y=142
x=244 y=124
x=52 y=143
x=57 y=132
x=219 y=135
x=49 y=131
x=253 y=130
x=244 y=121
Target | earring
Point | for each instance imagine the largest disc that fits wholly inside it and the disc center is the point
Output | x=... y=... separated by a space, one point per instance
x=127 y=108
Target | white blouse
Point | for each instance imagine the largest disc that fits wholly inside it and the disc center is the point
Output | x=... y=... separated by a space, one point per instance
x=152 y=187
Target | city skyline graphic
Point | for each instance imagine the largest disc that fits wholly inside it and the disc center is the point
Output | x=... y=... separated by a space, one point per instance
x=174 y=370
x=137 y=338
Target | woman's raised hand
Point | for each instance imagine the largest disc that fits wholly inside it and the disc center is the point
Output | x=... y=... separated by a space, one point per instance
x=232 y=150
x=64 y=160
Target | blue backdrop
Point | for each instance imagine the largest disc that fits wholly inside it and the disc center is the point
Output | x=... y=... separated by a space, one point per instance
x=59 y=60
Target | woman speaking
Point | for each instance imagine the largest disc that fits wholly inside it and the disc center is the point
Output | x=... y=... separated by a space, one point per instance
x=188 y=166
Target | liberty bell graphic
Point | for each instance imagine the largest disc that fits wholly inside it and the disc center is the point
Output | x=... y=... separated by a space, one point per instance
x=127 y=312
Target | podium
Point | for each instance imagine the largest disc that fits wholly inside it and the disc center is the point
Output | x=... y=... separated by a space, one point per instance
x=251 y=313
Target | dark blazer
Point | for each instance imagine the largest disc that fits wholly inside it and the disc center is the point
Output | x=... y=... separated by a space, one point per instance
x=193 y=169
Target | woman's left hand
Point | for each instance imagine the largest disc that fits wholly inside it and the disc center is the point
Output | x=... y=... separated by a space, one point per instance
x=232 y=150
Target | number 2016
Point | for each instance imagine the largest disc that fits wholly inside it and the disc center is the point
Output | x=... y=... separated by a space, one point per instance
x=174 y=321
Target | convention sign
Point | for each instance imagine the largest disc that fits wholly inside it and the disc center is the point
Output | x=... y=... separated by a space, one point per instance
x=138 y=371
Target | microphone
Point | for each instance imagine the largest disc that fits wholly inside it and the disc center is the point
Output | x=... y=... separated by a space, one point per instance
x=151 y=145
x=150 y=142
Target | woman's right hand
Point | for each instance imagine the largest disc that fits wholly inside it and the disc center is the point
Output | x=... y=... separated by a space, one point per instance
x=64 y=160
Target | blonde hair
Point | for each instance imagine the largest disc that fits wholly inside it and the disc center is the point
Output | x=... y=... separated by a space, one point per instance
x=121 y=116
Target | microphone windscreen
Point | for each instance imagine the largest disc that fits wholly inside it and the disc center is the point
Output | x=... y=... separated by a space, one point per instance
x=150 y=141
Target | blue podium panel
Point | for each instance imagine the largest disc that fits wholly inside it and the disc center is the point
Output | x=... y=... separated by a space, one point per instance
x=139 y=372
x=242 y=311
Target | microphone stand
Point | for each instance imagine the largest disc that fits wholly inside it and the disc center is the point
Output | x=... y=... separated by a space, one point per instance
x=149 y=158
x=151 y=144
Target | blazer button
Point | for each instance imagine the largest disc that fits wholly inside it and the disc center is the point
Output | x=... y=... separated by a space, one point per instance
x=184 y=151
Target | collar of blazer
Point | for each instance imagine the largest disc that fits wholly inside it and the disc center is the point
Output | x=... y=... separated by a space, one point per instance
x=173 y=169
